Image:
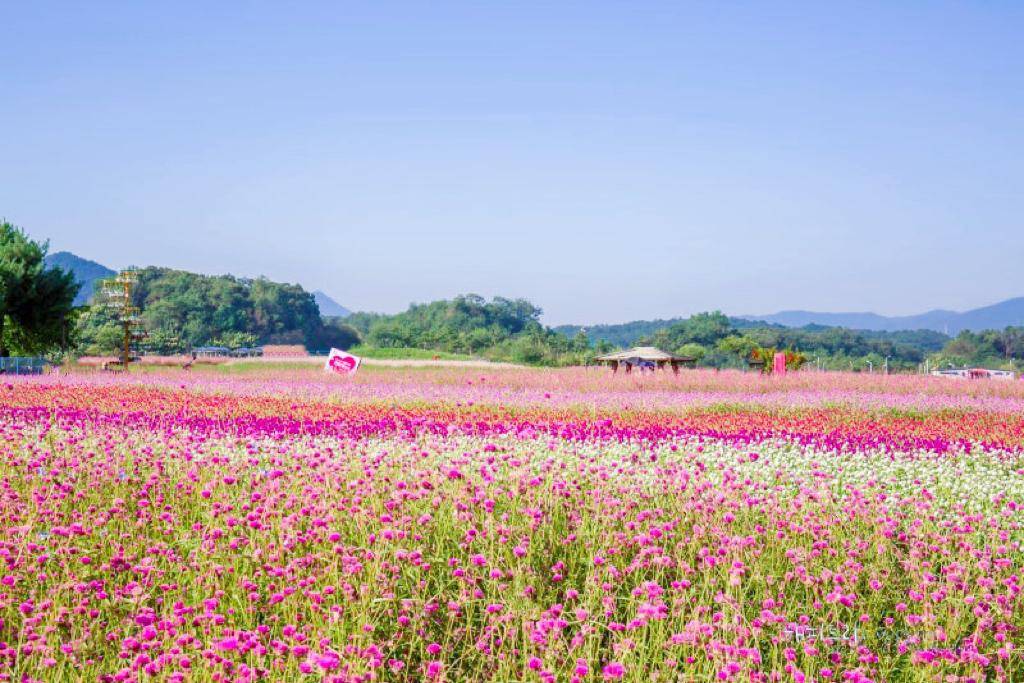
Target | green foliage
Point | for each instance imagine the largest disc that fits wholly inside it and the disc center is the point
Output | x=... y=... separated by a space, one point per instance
x=36 y=302
x=508 y=330
x=465 y=324
x=624 y=335
x=283 y=309
x=334 y=333
x=100 y=336
x=501 y=330
x=362 y=322
x=236 y=340
x=401 y=353
x=183 y=310
x=542 y=346
x=159 y=342
x=704 y=329
x=765 y=358
x=730 y=342
x=692 y=350
x=618 y=336
x=925 y=340
x=989 y=348
x=740 y=345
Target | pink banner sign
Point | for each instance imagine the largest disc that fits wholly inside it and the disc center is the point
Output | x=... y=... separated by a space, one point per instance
x=780 y=364
x=341 y=363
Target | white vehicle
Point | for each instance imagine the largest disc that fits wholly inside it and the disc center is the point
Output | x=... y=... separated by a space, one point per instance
x=974 y=373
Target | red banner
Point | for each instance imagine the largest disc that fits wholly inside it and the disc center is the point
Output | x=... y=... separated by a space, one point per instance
x=780 y=363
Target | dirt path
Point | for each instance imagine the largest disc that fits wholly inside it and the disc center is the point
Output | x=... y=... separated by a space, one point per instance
x=426 y=363
x=394 y=362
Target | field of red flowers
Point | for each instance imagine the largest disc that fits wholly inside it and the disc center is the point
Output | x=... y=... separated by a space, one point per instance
x=517 y=525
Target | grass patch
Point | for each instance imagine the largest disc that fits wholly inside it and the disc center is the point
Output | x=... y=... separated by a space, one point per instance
x=405 y=354
x=246 y=366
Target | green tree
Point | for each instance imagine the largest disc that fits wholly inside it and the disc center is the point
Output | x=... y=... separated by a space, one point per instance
x=282 y=308
x=335 y=333
x=160 y=342
x=705 y=329
x=581 y=342
x=1010 y=342
x=363 y=321
x=235 y=340
x=693 y=350
x=740 y=345
x=199 y=310
x=36 y=303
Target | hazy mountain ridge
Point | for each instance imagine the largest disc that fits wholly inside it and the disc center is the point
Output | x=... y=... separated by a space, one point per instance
x=86 y=272
x=330 y=308
x=996 y=316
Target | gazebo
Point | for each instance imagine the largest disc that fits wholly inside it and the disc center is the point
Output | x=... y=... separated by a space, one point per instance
x=645 y=357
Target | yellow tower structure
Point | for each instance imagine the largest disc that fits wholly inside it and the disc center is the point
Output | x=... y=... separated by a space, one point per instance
x=118 y=297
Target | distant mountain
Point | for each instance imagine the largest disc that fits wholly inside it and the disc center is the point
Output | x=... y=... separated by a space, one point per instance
x=329 y=308
x=997 y=316
x=85 y=271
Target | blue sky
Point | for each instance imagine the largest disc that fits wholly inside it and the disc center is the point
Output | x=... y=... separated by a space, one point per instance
x=609 y=161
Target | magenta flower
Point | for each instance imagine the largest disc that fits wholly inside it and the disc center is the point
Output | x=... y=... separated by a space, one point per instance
x=434 y=669
x=163 y=531
x=226 y=644
x=328 y=661
x=613 y=671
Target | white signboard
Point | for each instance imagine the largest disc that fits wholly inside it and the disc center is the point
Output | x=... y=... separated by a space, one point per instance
x=341 y=363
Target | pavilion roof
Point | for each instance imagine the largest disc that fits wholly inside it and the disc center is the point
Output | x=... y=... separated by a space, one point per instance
x=644 y=353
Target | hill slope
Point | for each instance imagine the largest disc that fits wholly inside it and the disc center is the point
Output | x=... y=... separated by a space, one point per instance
x=86 y=272
x=329 y=308
x=997 y=316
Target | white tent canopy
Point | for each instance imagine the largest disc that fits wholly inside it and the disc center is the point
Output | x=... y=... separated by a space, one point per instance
x=642 y=353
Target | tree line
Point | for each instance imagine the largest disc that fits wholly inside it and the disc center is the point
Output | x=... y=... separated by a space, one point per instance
x=722 y=342
x=500 y=329
x=510 y=330
x=183 y=310
x=37 y=312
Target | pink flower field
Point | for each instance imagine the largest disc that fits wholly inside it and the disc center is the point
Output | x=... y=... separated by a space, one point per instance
x=510 y=525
